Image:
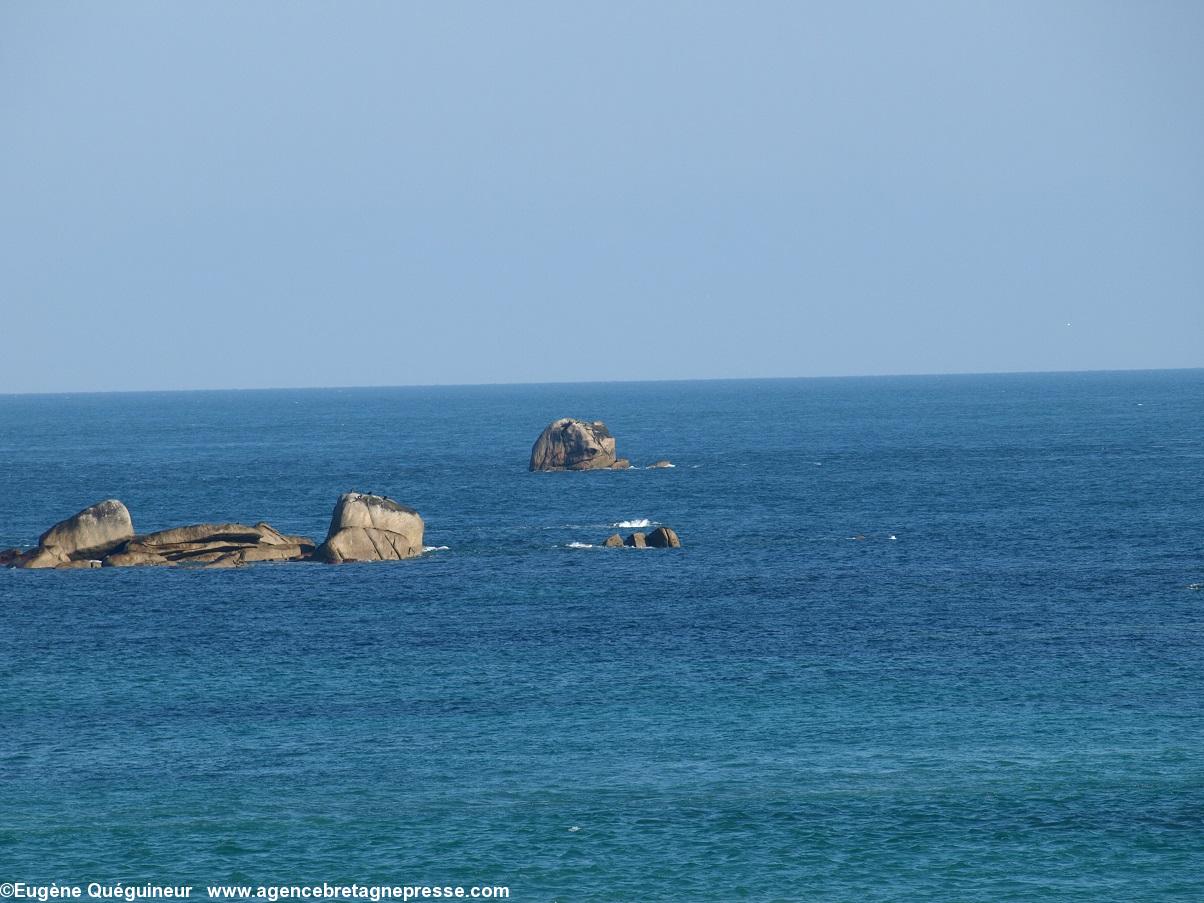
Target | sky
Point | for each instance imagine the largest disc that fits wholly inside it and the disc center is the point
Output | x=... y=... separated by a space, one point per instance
x=270 y=194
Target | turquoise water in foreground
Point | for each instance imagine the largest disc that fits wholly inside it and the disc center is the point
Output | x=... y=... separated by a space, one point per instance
x=1004 y=701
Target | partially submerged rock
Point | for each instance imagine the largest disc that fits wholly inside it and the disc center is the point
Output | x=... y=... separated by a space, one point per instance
x=663 y=538
x=656 y=465
x=371 y=528
x=636 y=541
x=568 y=444
x=614 y=541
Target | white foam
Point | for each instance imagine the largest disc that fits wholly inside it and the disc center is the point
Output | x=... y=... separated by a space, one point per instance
x=436 y=549
x=638 y=522
x=579 y=545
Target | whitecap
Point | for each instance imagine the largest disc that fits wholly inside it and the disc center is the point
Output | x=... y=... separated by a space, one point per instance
x=579 y=545
x=436 y=549
x=638 y=522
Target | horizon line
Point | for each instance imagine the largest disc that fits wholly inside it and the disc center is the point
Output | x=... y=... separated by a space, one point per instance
x=588 y=382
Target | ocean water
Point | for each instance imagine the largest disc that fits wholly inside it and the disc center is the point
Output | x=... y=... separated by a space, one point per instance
x=994 y=692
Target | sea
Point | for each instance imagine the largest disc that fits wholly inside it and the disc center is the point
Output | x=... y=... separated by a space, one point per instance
x=927 y=638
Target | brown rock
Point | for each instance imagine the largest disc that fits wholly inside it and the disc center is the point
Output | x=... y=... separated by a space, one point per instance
x=568 y=444
x=40 y=558
x=82 y=564
x=129 y=559
x=661 y=464
x=614 y=541
x=621 y=464
x=636 y=541
x=273 y=553
x=208 y=543
x=10 y=557
x=664 y=538
x=229 y=560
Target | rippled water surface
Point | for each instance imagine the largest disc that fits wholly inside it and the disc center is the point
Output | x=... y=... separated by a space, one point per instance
x=994 y=692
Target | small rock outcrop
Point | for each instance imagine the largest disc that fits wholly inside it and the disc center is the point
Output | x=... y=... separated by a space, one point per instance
x=87 y=536
x=657 y=465
x=569 y=444
x=371 y=528
x=663 y=538
x=660 y=538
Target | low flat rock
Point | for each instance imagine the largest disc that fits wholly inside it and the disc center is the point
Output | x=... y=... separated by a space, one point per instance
x=207 y=544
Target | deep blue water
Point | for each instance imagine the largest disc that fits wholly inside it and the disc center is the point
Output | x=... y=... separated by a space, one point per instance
x=1003 y=703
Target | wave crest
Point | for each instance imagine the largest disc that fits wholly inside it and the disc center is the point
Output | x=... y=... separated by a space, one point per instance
x=638 y=522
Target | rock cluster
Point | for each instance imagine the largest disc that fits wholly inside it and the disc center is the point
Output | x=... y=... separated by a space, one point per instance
x=660 y=538
x=363 y=528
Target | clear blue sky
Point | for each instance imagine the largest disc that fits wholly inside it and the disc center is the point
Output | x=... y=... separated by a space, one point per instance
x=303 y=194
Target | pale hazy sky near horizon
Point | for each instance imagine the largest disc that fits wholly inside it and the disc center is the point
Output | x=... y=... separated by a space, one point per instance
x=218 y=195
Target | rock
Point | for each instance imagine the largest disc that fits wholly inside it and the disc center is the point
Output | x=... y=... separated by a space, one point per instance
x=10 y=557
x=94 y=532
x=274 y=553
x=134 y=559
x=80 y=564
x=613 y=541
x=663 y=538
x=569 y=444
x=621 y=464
x=636 y=541
x=40 y=558
x=660 y=464
x=371 y=528
x=207 y=544
x=229 y=560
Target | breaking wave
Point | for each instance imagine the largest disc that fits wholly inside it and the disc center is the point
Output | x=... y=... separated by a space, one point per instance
x=639 y=522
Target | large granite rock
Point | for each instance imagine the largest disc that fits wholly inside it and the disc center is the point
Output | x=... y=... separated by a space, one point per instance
x=87 y=536
x=92 y=533
x=371 y=528
x=636 y=541
x=569 y=444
